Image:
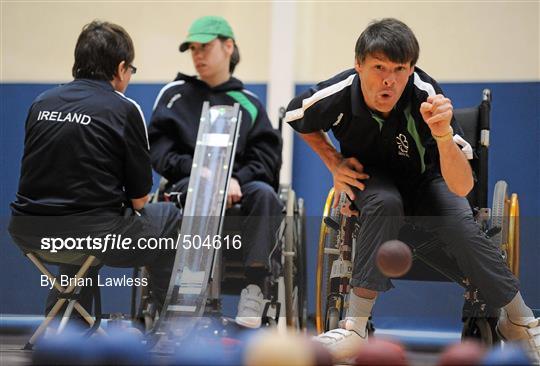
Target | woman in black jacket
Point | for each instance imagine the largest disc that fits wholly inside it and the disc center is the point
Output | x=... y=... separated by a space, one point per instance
x=173 y=132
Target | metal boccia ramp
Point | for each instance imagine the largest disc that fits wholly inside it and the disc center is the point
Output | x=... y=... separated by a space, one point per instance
x=203 y=218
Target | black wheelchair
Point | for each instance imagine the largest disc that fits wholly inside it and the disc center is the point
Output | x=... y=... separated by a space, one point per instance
x=287 y=285
x=500 y=223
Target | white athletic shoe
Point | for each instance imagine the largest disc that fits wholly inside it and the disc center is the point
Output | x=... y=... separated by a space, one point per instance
x=528 y=334
x=250 y=307
x=343 y=343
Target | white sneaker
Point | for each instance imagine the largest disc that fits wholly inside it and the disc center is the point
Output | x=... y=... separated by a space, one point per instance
x=528 y=334
x=250 y=307
x=343 y=343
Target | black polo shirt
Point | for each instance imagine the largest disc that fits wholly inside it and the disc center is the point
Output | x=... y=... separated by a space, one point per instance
x=85 y=148
x=401 y=145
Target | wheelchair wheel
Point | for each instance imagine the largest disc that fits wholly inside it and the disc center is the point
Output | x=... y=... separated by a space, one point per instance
x=327 y=253
x=301 y=278
x=480 y=329
x=505 y=215
x=513 y=235
x=499 y=214
x=332 y=318
x=294 y=270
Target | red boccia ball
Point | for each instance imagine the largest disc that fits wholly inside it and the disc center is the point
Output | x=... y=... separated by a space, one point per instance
x=465 y=353
x=381 y=352
x=394 y=258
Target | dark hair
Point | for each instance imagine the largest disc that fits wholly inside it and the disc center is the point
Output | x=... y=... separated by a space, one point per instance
x=101 y=46
x=392 y=38
x=235 y=57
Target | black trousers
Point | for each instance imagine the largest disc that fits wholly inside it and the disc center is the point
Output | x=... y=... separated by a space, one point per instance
x=260 y=217
x=435 y=209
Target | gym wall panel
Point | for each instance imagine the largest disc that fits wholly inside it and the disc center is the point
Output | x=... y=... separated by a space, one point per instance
x=38 y=38
x=459 y=41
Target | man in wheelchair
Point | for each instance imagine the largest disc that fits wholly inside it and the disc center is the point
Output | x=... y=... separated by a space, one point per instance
x=399 y=158
x=173 y=134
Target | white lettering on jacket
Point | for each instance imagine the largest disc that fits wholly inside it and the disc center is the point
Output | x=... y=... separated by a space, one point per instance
x=79 y=118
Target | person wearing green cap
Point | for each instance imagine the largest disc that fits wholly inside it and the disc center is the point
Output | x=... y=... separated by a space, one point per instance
x=205 y=30
x=173 y=132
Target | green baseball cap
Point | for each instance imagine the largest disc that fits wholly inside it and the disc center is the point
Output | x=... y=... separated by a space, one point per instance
x=206 y=29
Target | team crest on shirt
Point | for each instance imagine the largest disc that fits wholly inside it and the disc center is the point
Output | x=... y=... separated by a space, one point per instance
x=403 y=145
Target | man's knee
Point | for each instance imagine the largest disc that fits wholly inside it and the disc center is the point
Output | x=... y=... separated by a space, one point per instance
x=381 y=203
x=164 y=216
x=458 y=230
x=262 y=194
x=259 y=189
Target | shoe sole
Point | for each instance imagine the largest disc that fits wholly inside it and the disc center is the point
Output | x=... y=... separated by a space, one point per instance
x=248 y=324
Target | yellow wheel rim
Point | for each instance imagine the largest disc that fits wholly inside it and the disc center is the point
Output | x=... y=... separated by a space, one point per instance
x=320 y=263
x=513 y=235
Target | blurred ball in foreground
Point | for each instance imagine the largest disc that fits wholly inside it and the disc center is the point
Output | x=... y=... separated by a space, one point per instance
x=464 y=353
x=381 y=352
x=322 y=355
x=271 y=348
x=394 y=258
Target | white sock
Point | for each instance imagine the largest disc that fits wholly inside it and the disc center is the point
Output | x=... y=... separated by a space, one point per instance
x=518 y=312
x=358 y=313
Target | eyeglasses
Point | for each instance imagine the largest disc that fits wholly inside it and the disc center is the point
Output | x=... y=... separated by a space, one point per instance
x=133 y=69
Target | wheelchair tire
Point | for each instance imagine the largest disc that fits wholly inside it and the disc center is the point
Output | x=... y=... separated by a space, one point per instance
x=499 y=215
x=288 y=253
x=480 y=329
x=294 y=270
x=505 y=214
x=332 y=319
x=513 y=235
x=301 y=277
x=324 y=261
